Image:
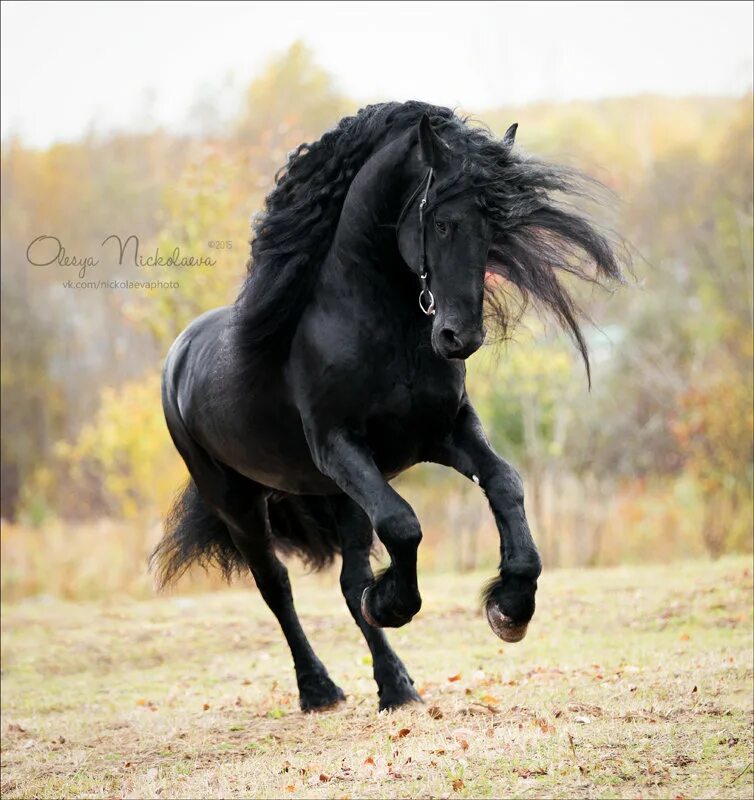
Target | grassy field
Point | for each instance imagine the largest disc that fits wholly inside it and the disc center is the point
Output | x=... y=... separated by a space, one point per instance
x=632 y=682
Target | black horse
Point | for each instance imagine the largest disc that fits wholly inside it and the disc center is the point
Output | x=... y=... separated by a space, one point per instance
x=341 y=365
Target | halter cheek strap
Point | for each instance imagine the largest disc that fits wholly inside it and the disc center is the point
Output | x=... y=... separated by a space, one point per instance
x=426 y=298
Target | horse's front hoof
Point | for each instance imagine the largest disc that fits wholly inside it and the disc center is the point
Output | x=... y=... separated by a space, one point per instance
x=365 y=609
x=504 y=627
x=380 y=608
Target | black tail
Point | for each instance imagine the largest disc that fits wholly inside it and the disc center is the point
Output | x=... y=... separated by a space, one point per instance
x=193 y=534
x=305 y=526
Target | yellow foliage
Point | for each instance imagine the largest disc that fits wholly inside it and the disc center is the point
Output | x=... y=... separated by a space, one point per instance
x=126 y=446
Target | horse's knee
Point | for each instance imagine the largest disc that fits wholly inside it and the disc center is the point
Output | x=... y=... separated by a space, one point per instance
x=400 y=531
x=505 y=483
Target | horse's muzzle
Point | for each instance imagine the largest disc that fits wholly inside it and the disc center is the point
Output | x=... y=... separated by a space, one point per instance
x=452 y=343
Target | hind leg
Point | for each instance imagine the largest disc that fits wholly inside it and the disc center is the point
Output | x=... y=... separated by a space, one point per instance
x=316 y=689
x=394 y=684
x=242 y=506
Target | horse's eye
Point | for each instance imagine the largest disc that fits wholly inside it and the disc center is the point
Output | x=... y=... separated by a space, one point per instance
x=441 y=227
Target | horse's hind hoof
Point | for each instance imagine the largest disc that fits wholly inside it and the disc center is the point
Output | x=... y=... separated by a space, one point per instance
x=399 y=695
x=504 y=627
x=319 y=695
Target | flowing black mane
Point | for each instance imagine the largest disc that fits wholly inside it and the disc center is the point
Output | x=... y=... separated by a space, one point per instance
x=536 y=236
x=292 y=236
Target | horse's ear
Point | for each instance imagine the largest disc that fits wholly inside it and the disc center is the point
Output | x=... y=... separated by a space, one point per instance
x=431 y=147
x=510 y=135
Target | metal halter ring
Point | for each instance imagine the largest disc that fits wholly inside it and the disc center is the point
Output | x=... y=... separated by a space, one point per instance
x=429 y=310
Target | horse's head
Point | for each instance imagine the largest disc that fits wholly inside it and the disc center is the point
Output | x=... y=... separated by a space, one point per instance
x=475 y=209
x=445 y=236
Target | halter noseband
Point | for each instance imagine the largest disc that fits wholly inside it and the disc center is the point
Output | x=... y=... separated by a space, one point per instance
x=426 y=298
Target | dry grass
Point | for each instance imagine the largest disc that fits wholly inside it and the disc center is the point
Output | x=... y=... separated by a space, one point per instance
x=633 y=682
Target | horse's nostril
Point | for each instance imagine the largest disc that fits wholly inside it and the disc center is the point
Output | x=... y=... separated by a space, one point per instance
x=450 y=337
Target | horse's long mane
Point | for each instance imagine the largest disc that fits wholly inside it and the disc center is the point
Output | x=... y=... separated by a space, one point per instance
x=291 y=238
x=536 y=235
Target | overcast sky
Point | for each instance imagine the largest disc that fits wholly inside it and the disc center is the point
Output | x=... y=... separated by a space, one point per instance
x=67 y=67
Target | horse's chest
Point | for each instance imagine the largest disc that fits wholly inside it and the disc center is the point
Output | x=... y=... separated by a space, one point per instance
x=418 y=408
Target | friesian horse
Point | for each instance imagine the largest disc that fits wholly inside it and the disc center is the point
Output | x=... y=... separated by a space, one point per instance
x=384 y=249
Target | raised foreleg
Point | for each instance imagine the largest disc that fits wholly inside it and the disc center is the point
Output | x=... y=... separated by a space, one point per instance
x=509 y=599
x=393 y=598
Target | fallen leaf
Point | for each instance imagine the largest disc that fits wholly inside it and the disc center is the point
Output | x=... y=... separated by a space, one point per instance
x=435 y=712
x=369 y=760
x=206 y=706
x=458 y=784
x=290 y=788
x=544 y=725
x=527 y=773
x=684 y=637
x=462 y=737
x=323 y=778
x=453 y=678
x=15 y=728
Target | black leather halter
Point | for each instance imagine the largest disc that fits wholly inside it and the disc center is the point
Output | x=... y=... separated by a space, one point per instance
x=426 y=298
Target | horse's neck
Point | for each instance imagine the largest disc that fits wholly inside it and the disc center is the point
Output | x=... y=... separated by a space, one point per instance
x=366 y=234
x=364 y=264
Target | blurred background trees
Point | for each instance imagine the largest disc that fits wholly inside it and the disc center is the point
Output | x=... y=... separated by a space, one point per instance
x=654 y=463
